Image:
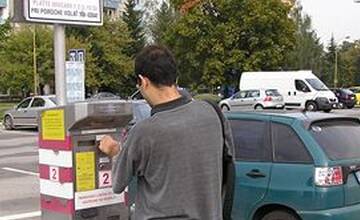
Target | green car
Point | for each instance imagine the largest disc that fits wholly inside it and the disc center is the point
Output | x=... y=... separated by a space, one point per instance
x=296 y=166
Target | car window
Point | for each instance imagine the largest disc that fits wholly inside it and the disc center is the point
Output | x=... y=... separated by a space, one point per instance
x=317 y=84
x=251 y=139
x=240 y=95
x=53 y=99
x=25 y=103
x=288 y=148
x=301 y=86
x=38 y=102
x=338 y=138
x=141 y=111
x=347 y=91
x=243 y=94
x=272 y=92
x=253 y=94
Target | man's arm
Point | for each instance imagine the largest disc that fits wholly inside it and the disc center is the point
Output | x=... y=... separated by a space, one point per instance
x=128 y=160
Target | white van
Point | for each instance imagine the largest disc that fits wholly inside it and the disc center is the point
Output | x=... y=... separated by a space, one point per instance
x=300 y=89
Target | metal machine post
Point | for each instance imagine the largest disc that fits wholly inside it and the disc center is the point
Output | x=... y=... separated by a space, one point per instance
x=75 y=178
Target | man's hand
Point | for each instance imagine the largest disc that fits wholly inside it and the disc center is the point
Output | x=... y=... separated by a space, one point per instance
x=109 y=146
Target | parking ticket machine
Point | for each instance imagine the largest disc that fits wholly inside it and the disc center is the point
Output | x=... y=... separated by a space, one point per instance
x=75 y=177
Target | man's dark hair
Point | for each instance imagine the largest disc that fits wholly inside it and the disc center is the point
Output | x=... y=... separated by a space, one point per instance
x=158 y=64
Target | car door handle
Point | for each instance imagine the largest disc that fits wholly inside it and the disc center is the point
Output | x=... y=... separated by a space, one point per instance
x=255 y=174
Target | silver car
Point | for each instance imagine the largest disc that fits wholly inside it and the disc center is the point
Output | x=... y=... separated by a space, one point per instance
x=25 y=114
x=253 y=99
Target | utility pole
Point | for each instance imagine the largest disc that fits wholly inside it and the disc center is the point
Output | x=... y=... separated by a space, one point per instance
x=59 y=56
x=36 y=83
x=336 y=69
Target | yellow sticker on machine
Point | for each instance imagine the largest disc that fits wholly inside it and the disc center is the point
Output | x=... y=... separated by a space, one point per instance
x=85 y=171
x=53 y=125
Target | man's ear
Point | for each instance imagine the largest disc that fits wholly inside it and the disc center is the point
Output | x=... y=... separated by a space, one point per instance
x=144 y=81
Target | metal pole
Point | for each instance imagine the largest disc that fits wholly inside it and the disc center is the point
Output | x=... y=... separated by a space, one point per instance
x=59 y=56
x=336 y=69
x=34 y=62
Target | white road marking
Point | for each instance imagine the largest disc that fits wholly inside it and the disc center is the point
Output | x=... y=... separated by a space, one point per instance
x=20 y=171
x=21 y=216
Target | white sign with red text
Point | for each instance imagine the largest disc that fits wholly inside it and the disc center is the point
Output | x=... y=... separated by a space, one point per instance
x=98 y=197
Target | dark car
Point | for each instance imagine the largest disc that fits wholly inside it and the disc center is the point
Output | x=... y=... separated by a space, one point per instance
x=347 y=98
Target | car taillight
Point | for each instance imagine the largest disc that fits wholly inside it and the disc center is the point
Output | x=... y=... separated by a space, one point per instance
x=328 y=176
x=268 y=99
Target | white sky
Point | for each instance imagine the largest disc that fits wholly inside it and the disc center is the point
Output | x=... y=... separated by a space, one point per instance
x=338 y=17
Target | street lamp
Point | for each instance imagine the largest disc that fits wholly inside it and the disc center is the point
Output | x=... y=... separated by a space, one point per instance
x=336 y=64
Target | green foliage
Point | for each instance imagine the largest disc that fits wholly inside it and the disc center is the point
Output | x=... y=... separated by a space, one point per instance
x=308 y=53
x=349 y=64
x=16 y=58
x=5 y=29
x=109 y=44
x=108 y=67
x=208 y=97
x=133 y=20
x=248 y=35
x=4 y=106
x=330 y=62
x=165 y=18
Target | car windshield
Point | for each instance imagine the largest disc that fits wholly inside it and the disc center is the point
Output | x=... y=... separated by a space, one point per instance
x=317 y=84
x=339 y=139
x=355 y=90
x=53 y=99
x=347 y=91
x=141 y=111
x=272 y=92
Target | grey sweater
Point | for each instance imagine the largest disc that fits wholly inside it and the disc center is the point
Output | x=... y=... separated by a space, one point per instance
x=177 y=156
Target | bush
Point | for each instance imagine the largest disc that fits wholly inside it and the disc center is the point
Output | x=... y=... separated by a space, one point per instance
x=208 y=96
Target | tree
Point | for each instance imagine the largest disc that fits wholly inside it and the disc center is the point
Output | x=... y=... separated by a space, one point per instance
x=330 y=62
x=349 y=63
x=5 y=29
x=165 y=18
x=108 y=66
x=16 y=58
x=241 y=35
x=133 y=19
x=109 y=46
x=308 y=53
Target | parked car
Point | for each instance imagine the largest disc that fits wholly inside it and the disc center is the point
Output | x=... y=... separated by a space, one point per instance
x=346 y=97
x=300 y=89
x=104 y=95
x=296 y=166
x=255 y=99
x=356 y=90
x=26 y=112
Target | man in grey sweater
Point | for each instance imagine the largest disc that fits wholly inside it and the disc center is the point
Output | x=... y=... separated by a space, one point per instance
x=176 y=153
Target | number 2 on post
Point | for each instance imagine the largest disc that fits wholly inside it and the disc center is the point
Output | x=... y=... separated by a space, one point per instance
x=105 y=179
x=54 y=174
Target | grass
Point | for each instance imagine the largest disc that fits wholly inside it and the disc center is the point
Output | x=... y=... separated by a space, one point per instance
x=5 y=106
